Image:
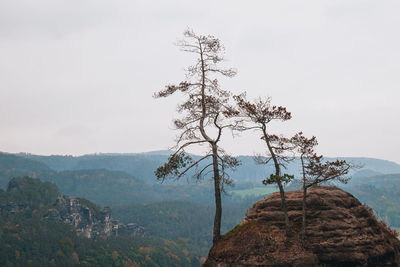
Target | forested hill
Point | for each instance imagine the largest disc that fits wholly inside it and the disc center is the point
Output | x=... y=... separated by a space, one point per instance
x=142 y=165
x=105 y=187
x=11 y=161
x=29 y=238
x=120 y=179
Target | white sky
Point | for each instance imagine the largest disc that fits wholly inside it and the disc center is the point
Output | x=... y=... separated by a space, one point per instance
x=77 y=77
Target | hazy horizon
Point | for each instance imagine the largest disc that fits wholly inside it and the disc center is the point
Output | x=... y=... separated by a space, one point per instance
x=155 y=152
x=77 y=77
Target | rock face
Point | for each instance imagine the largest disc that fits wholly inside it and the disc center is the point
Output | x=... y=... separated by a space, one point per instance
x=26 y=196
x=340 y=232
x=89 y=221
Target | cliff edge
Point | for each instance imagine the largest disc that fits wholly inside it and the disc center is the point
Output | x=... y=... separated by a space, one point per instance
x=340 y=232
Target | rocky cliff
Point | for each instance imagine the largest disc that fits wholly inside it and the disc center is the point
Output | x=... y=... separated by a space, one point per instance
x=26 y=196
x=340 y=232
x=88 y=219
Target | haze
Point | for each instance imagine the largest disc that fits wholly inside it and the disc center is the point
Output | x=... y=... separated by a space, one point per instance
x=78 y=77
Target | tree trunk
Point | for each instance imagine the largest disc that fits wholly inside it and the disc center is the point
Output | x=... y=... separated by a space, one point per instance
x=217 y=193
x=278 y=173
x=213 y=143
x=284 y=208
x=303 y=230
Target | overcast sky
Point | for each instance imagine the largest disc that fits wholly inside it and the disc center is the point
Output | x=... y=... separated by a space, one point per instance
x=77 y=77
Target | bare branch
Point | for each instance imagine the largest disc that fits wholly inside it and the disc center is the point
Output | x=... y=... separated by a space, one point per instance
x=188 y=144
x=200 y=173
x=192 y=165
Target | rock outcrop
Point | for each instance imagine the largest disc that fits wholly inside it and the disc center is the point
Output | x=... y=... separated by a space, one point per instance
x=340 y=232
x=88 y=219
x=26 y=196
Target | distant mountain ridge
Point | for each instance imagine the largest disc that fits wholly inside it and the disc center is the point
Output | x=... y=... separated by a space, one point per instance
x=103 y=186
x=15 y=161
x=143 y=165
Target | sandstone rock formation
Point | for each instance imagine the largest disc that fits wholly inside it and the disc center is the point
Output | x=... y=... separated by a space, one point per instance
x=26 y=196
x=340 y=232
x=88 y=220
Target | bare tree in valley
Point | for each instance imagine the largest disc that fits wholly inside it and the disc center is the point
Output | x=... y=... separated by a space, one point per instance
x=257 y=115
x=206 y=112
x=316 y=171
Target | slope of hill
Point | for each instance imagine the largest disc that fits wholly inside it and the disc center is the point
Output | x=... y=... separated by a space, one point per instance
x=11 y=161
x=27 y=238
x=110 y=188
x=375 y=180
x=15 y=166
